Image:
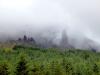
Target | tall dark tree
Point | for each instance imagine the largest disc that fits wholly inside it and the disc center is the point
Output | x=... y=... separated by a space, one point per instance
x=25 y=38
x=19 y=39
x=31 y=40
x=64 y=43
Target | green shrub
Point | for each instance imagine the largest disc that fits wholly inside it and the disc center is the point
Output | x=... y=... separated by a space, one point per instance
x=35 y=69
x=16 y=47
x=7 y=50
x=21 y=68
x=96 y=68
x=4 y=69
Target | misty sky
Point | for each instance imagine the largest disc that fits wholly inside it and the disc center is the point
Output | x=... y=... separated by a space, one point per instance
x=78 y=17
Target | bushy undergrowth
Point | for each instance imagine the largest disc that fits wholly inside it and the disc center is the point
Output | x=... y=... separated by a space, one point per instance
x=4 y=69
x=37 y=61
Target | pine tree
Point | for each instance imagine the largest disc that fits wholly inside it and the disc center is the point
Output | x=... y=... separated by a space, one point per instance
x=25 y=38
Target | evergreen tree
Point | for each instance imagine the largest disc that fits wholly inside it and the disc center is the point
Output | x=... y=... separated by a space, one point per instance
x=25 y=38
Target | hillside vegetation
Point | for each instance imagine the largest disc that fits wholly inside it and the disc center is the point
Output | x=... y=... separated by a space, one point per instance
x=21 y=60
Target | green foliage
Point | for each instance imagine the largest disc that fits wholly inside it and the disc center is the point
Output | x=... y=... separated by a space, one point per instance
x=38 y=61
x=35 y=70
x=21 y=68
x=4 y=69
x=7 y=50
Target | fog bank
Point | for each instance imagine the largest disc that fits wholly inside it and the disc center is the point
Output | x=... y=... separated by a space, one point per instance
x=49 y=18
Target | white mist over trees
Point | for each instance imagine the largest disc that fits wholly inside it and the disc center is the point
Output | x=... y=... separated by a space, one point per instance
x=80 y=18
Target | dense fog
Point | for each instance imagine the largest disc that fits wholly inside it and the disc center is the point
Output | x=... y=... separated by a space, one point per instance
x=66 y=23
